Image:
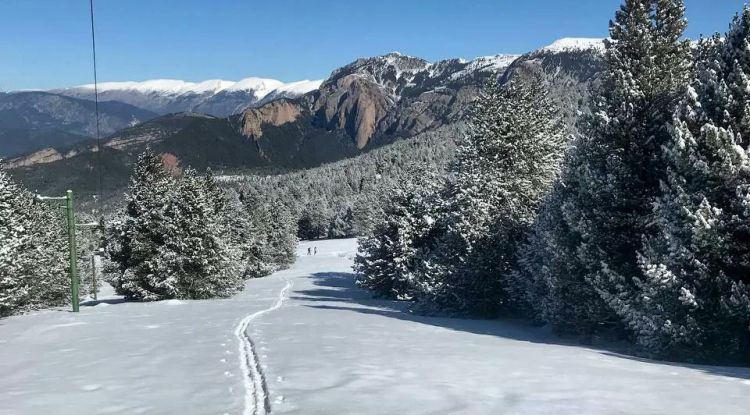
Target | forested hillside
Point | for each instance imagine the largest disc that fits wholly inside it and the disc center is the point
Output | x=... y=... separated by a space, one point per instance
x=345 y=198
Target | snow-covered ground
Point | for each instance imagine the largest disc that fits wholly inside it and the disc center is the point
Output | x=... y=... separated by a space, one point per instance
x=306 y=341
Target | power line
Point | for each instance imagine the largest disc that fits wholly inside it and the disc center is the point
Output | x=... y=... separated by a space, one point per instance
x=100 y=187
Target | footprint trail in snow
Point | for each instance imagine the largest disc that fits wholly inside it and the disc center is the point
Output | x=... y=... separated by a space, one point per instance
x=257 y=401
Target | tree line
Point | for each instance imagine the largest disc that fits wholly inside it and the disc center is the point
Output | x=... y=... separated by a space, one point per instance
x=180 y=235
x=345 y=198
x=636 y=225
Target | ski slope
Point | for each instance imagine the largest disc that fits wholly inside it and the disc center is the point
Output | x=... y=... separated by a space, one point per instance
x=307 y=341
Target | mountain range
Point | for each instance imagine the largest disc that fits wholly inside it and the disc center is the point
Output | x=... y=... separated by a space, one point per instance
x=213 y=97
x=368 y=103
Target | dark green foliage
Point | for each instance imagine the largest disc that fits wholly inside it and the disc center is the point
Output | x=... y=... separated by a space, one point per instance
x=614 y=175
x=390 y=259
x=345 y=199
x=693 y=299
x=33 y=252
x=173 y=241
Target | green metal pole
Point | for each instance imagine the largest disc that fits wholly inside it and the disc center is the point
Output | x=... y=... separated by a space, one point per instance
x=73 y=251
x=93 y=276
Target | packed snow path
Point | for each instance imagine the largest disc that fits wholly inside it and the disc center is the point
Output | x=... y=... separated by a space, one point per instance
x=256 y=388
x=322 y=346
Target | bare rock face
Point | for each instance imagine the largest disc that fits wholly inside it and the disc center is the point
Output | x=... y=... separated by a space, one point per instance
x=394 y=96
x=46 y=155
x=276 y=113
x=355 y=104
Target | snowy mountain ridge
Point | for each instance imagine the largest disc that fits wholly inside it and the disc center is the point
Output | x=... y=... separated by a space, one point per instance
x=396 y=72
x=261 y=87
x=575 y=44
x=216 y=97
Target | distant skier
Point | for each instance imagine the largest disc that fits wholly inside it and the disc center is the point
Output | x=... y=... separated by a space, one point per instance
x=309 y=252
x=315 y=251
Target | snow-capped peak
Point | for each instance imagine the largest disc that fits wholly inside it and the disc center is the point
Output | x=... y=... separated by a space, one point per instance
x=164 y=86
x=501 y=61
x=300 y=87
x=259 y=86
x=573 y=44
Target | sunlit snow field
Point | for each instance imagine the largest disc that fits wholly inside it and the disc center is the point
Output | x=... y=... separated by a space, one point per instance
x=329 y=348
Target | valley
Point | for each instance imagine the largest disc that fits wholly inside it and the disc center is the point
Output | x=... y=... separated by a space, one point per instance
x=368 y=104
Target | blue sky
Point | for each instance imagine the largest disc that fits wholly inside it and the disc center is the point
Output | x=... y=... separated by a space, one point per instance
x=46 y=43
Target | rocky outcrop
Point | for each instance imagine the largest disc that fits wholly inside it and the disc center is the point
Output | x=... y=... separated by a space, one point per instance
x=393 y=96
x=355 y=104
x=43 y=156
x=276 y=113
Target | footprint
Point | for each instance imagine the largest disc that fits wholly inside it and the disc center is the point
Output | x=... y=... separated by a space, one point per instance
x=279 y=399
x=91 y=388
x=279 y=378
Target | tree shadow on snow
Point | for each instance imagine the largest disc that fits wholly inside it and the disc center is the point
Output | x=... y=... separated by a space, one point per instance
x=335 y=288
x=109 y=301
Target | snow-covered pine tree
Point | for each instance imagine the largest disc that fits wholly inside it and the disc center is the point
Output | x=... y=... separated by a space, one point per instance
x=136 y=242
x=736 y=64
x=256 y=244
x=32 y=252
x=390 y=259
x=282 y=238
x=693 y=300
x=616 y=173
x=15 y=238
x=245 y=243
x=197 y=258
x=314 y=222
x=546 y=283
x=263 y=233
x=505 y=165
x=49 y=256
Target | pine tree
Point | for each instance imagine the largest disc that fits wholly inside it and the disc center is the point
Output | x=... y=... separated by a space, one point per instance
x=257 y=245
x=735 y=61
x=174 y=241
x=506 y=164
x=389 y=260
x=615 y=175
x=693 y=300
x=135 y=244
x=244 y=241
x=32 y=252
x=282 y=239
x=266 y=234
x=196 y=259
